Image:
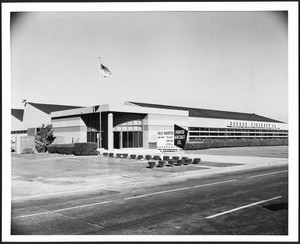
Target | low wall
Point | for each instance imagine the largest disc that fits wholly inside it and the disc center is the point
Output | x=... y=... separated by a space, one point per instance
x=27 y=142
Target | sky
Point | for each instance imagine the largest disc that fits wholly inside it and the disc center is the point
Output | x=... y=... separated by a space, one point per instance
x=222 y=60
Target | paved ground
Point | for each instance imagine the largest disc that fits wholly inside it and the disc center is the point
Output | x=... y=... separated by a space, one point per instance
x=44 y=174
x=243 y=203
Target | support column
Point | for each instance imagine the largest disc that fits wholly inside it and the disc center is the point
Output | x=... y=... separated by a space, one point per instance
x=110 y=134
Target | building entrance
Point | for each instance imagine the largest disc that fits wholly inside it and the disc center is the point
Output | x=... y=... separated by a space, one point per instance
x=117 y=139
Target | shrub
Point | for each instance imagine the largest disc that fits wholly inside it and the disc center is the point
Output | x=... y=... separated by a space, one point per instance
x=125 y=155
x=166 y=158
x=44 y=138
x=184 y=160
x=151 y=164
x=156 y=157
x=175 y=157
x=140 y=157
x=105 y=154
x=111 y=155
x=133 y=156
x=85 y=148
x=179 y=162
x=197 y=160
x=148 y=157
x=118 y=155
x=27 y=151
x=61 y=148
x=161 y=163
x=172 y=162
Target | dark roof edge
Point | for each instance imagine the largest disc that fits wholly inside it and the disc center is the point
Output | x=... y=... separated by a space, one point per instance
x=204 y=110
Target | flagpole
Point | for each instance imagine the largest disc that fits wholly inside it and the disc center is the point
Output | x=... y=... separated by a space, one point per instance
x=100 y=132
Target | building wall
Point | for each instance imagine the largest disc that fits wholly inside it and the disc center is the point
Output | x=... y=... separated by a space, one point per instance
x=34 y=117
x=225 y=123
x=16 y=124
x=153 y=123
x=72 y=129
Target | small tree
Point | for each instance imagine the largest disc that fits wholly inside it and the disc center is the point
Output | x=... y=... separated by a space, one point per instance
x=44 y=137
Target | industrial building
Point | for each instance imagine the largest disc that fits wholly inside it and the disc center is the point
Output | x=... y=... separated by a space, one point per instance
x=135 y=125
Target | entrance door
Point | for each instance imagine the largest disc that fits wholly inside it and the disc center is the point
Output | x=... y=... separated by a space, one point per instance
x=117 y=139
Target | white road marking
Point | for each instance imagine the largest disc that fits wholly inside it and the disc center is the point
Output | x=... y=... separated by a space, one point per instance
x=62 y=209
x=246 y=206
x=179 y=189
x=278 y=172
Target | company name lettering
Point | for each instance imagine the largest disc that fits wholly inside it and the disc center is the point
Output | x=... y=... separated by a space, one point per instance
x=252 y=125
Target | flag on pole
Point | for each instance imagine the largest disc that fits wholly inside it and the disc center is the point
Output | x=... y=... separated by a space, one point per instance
x=104 y=71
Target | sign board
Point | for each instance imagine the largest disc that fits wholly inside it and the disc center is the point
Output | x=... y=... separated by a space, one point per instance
x=180 y=136
x=165 y=140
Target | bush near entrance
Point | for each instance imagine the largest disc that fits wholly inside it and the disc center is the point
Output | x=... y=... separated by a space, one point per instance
x=111 y=155
x=140 y=157
x=161 y=163
x=27 y=151
x=118 y=155
x=85 y=148
x=197 y=160
x=172 y=162
x=125 y=155
x=132 y=156
x=151 y=164
x=148 y=157
x=61 y=148
x=156 y=157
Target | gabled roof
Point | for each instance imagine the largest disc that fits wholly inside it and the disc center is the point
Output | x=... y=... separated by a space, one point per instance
x=49 y=108
x=17 y=113
x=213 y=114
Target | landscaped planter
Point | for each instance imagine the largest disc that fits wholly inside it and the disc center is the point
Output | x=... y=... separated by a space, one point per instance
x=148 y=157
x=125 y=155
x=105 y=154
x=118 y=155
x=140 y=157
x=111 y=155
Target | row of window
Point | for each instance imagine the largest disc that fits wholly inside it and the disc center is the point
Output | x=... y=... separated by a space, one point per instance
x=19 y=132
x=194 y=139
x=194 y=129
x=236 y=134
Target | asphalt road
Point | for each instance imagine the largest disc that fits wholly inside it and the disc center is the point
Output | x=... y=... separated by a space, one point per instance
x=241 y=203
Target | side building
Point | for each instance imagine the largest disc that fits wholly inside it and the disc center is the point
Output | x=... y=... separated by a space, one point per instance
x=26 y=122
x=135 y=125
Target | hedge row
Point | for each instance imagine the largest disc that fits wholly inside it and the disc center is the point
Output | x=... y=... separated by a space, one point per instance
x=61 y=148
x=83 y=148
x=237 y=143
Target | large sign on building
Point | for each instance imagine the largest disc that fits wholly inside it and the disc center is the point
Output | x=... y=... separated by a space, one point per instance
x=180 y=136
x=165 y=140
